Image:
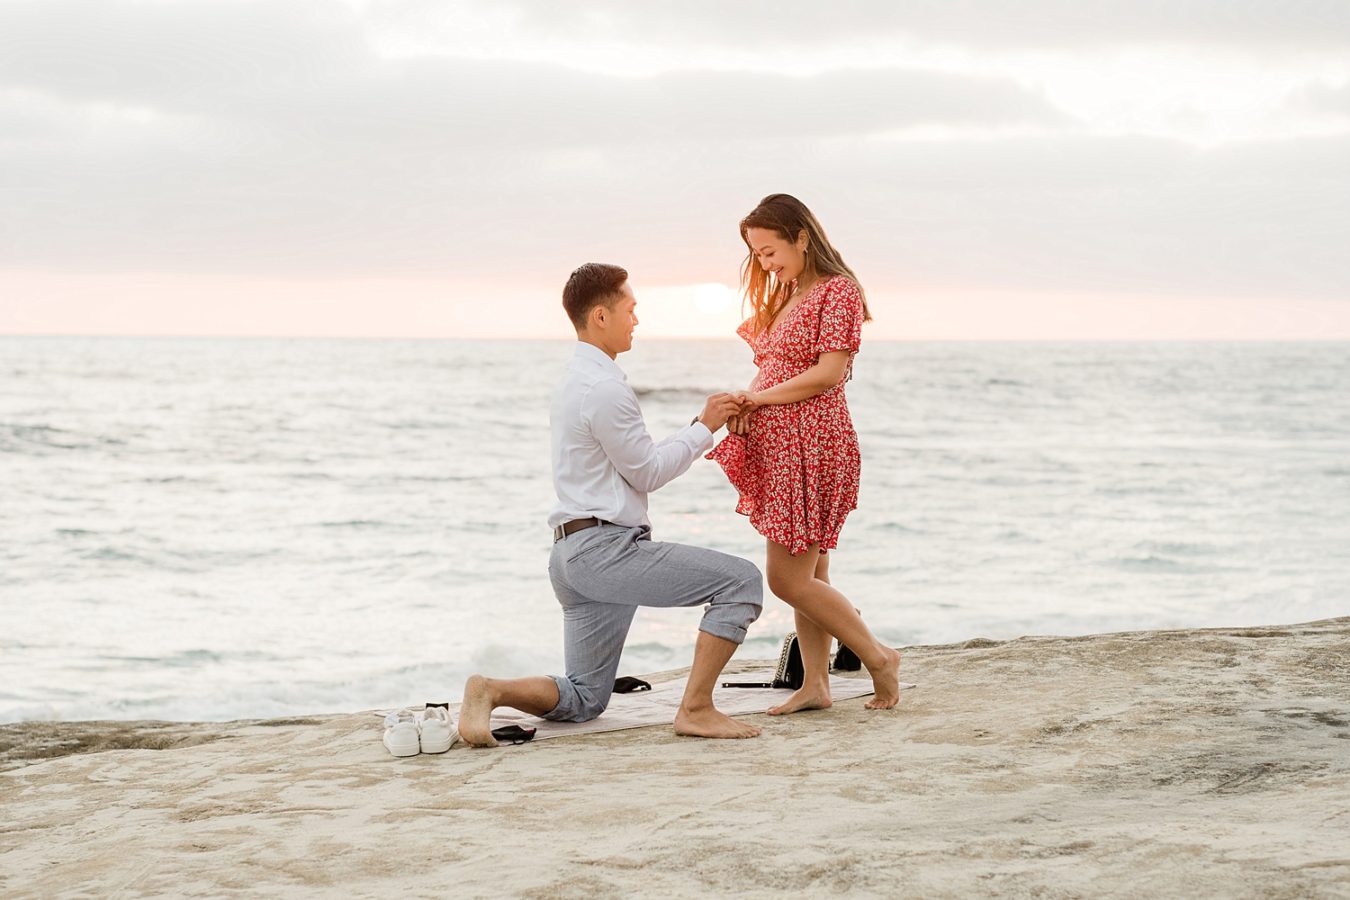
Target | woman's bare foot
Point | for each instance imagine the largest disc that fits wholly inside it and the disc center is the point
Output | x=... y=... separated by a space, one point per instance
x=886 y=682
x=709 y=723
x=475 y=713
x=808 y=696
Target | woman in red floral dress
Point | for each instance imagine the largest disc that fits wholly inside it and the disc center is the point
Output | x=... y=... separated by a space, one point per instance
x=793 y=454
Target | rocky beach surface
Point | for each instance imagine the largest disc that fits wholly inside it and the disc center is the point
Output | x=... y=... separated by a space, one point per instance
x=1171 y=763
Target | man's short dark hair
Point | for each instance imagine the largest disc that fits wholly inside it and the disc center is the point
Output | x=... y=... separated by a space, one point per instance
x=591 y=285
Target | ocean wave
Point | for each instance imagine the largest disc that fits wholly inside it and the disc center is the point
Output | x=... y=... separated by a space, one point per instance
x=1166 y=549
x=109 y=553
x=673 y=394
x=357 y=523
x=183 y=658
x=17 y=438
x=422 y=425
x=653 y=650
x=1148 y=563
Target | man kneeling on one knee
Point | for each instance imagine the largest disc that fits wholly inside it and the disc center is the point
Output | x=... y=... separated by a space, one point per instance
x=604 y=564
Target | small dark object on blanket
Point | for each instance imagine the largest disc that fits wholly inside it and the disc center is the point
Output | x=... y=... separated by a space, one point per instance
x=515 y=734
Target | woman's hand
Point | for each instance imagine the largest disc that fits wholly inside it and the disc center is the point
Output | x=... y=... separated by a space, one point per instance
x=740 y=423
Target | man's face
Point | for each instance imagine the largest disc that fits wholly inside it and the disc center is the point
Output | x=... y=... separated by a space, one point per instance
x=619 y=321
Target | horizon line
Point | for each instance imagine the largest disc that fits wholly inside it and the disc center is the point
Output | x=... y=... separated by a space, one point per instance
x=679 y=338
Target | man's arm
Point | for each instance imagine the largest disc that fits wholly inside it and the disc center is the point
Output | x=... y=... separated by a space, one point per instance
x=616 y=421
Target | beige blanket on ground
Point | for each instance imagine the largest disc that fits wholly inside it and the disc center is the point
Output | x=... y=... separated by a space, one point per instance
x=658 y=706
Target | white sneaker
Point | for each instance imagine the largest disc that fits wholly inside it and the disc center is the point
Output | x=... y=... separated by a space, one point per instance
x=438 y=731
x=400 y=733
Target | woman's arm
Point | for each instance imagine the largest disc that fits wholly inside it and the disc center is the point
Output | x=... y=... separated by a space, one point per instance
x=825 y=374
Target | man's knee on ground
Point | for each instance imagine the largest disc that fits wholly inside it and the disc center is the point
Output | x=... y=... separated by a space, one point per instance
x=590 y=704
x=579 y=702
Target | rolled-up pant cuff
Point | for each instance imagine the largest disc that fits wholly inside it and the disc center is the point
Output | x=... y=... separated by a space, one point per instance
x=725 y=631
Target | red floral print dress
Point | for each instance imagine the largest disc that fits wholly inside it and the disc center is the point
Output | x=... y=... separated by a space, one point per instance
x=797 y=469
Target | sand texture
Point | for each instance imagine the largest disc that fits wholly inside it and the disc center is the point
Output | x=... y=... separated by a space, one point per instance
x=1179 y=763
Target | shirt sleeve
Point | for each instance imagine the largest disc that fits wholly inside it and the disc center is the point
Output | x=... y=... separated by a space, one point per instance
x=841 y=315
x=699 y=433
x=615 y=419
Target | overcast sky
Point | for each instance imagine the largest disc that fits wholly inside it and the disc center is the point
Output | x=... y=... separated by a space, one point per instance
x=1038 y=169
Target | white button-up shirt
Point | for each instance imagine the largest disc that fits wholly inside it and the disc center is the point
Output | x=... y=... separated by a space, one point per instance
x=604 y=461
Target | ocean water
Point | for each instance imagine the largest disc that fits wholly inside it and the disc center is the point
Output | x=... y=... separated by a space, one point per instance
x=213 y=529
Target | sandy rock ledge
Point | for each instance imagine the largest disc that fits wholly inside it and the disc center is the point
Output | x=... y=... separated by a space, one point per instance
x=1176 y=763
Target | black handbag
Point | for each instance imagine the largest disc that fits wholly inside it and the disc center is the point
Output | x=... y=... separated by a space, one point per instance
x=845 y=660
x=790 y=671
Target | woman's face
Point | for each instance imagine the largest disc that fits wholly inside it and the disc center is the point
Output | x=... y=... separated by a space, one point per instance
x=784 y=260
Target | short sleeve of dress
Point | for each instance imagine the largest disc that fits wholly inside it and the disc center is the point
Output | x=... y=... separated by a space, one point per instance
x=746 y=331
x=841 y=316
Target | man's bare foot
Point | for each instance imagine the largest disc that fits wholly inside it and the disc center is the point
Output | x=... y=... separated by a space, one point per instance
x=886 y=682
x=709 y=723
x=475 y=713
x=808 y=696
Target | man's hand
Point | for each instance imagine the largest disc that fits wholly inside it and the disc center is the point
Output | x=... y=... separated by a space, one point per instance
x=718 y=409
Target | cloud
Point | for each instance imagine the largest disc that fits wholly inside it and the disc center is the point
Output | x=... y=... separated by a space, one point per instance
x=1115 y=214
x=304 y=67
x=1030 y=24
x=1325 y=98
x=269 y=139
x=176 y=56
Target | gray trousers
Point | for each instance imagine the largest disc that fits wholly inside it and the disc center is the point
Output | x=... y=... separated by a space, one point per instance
x=603 y=574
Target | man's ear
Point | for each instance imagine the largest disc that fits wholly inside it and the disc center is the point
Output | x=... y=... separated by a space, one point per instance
x=597 y=315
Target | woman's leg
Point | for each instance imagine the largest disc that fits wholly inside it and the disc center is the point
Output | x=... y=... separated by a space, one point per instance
x=814 y=643
x=793 y=580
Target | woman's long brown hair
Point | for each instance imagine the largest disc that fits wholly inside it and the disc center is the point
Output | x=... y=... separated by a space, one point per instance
x=788 y=217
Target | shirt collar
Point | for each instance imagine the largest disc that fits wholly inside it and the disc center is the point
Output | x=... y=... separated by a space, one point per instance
x=600 y=357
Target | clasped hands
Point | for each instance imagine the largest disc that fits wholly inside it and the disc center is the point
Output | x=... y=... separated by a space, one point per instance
x=731 y=410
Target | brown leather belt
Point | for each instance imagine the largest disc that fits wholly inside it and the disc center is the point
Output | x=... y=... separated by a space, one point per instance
x=573 y=527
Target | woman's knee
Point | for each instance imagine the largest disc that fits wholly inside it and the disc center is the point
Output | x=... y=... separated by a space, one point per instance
x=787 y=585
